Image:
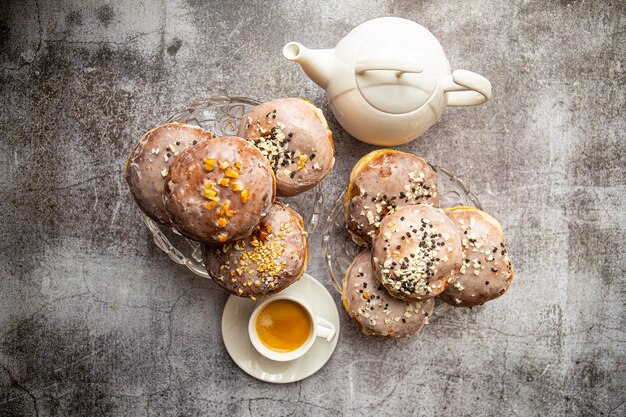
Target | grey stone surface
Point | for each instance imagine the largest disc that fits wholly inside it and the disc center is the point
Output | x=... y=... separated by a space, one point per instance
x=95 y=320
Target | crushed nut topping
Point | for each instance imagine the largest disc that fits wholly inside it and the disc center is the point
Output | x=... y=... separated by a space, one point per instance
x=415 y=191
x=257 y=261
x=274 y=145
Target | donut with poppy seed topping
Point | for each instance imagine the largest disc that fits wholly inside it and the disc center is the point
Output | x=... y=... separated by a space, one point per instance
x=148 y=164
x=487 y=271
x=268 y=261
x=294 y=135
x=380 y=183
x=377 y=312
x=415 y=252
x=218 y=191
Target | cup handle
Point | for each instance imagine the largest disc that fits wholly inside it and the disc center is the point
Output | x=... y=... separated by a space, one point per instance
x=325 y=329
x=466 y=88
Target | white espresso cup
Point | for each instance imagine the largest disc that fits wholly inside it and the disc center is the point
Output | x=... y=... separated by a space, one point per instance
x=320 y=327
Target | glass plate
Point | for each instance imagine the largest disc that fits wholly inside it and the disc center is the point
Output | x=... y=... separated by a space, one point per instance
x=339 y=249
x=221 y=115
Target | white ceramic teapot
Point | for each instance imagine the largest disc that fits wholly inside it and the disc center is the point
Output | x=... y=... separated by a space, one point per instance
x=388 y=80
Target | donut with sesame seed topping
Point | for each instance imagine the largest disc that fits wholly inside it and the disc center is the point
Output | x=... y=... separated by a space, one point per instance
x=382 y=182
x=486 y=272
x=294 y=136
x=218 y=191
x=149 y=163
x=374 y=309
x=415 y=252
x=268 y=261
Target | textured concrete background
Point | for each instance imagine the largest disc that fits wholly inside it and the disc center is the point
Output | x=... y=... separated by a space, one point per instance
x=95 y=320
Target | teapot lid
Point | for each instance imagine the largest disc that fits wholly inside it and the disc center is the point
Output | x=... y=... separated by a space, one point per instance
x=397 y=69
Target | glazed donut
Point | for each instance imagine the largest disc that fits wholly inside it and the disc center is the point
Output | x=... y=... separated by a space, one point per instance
x=294 y=135
x=487 y=271
x=148 y=164
x=268 y=261
x=415 y=252
x=218 y=191
x=376 y=312
x=381 y=182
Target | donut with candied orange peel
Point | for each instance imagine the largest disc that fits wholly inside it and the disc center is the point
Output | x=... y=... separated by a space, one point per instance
x=218 y=191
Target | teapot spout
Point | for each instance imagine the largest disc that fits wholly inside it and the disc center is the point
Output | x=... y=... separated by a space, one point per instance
x=316 y=63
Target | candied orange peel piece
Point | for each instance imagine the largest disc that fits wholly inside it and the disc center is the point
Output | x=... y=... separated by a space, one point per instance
x=224 y=209
x=231 y=173
x=244 y=195
x=209 y=164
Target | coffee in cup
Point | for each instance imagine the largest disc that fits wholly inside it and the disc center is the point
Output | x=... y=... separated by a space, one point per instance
x=283 y=325
x=284 y=328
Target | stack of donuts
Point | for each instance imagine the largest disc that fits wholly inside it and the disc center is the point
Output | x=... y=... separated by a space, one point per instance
x=415 y=251
x=221 y=191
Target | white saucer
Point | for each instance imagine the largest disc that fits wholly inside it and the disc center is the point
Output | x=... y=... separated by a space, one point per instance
x=235 y=334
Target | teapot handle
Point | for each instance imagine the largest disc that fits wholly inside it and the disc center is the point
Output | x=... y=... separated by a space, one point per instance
x=466 y=88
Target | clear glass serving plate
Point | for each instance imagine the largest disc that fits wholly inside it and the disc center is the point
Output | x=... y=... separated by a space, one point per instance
x=221 y=115
x=339 y=249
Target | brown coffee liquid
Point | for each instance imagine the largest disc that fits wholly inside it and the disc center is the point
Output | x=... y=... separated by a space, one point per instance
x=283 y=325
